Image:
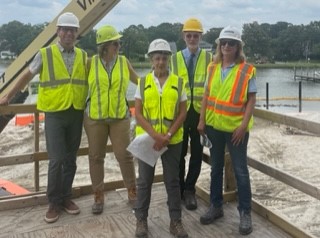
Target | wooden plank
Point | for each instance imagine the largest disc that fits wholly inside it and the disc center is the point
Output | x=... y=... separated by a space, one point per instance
x=280 y=221
x=286 y=178
x=309 y=126
x=118 y=220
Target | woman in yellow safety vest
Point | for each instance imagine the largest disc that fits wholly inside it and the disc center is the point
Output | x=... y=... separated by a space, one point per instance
x=107 y=113
x=160 y=106
x=226 y=117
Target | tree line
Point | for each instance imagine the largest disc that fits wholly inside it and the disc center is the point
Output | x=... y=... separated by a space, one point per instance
x=281 y=41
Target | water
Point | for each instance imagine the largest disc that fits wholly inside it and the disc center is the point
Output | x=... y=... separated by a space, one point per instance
x=281 y=87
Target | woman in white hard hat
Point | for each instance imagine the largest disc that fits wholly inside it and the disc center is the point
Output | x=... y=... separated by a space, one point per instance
x=107 y=113
x=62 y=95
x=226 y=117
x=160 y=106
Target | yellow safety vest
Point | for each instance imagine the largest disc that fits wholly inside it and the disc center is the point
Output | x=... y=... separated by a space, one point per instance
x=227 y=99
x=57 y=89
x=161 y=110
x=107 y=99
x=179 y=67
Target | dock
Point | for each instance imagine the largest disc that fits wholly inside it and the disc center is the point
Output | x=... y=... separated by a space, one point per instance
x=23 y=215
x=307 y=75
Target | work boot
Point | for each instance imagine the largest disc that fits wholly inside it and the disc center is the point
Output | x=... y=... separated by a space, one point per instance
x=190 y=200
x=245 y=227
x=132 y=195
x=52 y=214
x=97 y=207
x=176 y=229
x=212 y=214
x=142 y=228
x=70 y=207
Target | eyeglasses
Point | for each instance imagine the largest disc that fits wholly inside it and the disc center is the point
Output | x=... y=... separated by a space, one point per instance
x=231 y=43
x=116 y=43
x=67 y=29
x=195 y=36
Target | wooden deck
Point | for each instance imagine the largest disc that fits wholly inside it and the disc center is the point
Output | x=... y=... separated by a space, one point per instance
x=118 y=220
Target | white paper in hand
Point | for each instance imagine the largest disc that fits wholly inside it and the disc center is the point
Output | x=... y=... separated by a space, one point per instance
x=142 y=148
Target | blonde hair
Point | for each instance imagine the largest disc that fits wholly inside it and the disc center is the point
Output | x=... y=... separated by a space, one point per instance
x=239 y=57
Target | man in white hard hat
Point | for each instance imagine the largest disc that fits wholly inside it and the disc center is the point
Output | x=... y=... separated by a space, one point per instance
x=191 y=65
x=226 y=117
x=62 y=95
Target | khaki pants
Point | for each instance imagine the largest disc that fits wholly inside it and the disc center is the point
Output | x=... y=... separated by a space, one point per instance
x=98 y=132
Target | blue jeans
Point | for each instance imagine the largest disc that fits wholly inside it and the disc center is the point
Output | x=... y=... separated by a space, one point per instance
x=170 y=164
x=63 y=132
x=238 y=155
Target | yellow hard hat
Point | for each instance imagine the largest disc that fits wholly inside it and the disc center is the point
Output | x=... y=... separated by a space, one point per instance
x=107 y=33
x=192 y=24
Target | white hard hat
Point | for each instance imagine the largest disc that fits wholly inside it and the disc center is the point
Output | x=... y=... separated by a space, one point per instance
x=68 y=19
x=160 y=45
x=229 y=32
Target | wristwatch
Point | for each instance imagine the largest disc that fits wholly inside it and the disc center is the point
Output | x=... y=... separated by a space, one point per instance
x=169 y=134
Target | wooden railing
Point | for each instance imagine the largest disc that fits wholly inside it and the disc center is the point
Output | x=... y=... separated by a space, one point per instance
x=230 y=185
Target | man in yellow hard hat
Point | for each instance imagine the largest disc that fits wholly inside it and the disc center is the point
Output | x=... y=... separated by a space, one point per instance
x=191 y=64
x=62 y=94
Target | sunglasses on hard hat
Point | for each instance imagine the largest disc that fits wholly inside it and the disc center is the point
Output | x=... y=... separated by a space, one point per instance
x=190 y=35
x=230 y=43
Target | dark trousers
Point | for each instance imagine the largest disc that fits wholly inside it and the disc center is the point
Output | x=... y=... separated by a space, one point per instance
x=188 y=179
x=170 y=165
x=63 y=132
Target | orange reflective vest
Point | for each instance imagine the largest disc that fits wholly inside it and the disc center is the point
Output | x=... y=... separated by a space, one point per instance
x=227 y=99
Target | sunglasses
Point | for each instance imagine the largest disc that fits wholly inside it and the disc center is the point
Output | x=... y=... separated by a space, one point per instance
x=230 y=43
x=195 y=36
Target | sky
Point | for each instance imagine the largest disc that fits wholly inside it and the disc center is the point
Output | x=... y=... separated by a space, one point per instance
x=212 y=13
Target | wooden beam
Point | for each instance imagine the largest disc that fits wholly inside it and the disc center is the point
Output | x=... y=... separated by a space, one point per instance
x=309 y=126
x=286 y=178
x=279 y=221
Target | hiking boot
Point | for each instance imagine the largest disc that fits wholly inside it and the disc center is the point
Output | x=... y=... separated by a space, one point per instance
x=97 y=207
x=52 y=214
x=132 y=195
x=190 y=200
x=176 y=229
x=142 y=228
x=245 y=227
x=212 y=214
x=70 y=207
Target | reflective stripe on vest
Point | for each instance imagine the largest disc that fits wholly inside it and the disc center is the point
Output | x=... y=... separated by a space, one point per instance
x=57 y=89
x=179 y=67
x=161 y=111
x=226 y=100
x=108 y=92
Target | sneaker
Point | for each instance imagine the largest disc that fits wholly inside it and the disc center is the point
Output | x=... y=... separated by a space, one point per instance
x=245 y=227
x=190 y=200
x=52 y=214
x=97 y=207
x=176 y=229
x=132 y=195
x=70 y=207
x=212 y=214
x=142 y=228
